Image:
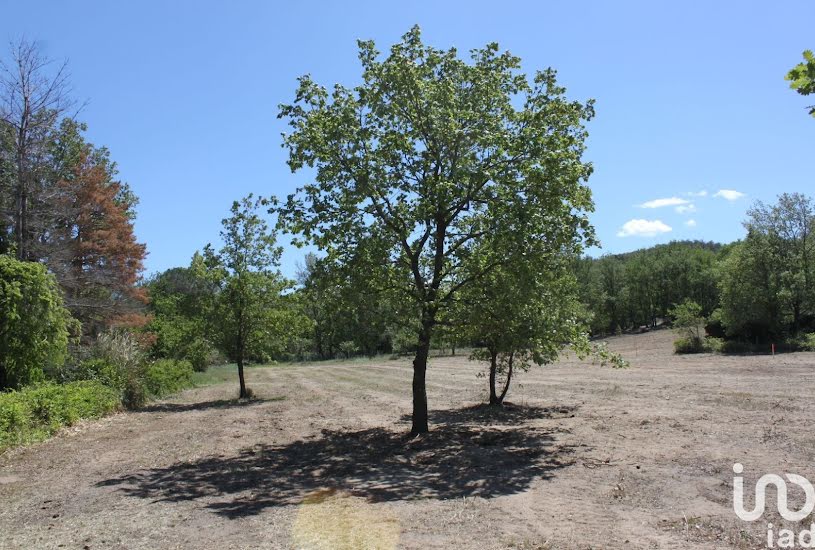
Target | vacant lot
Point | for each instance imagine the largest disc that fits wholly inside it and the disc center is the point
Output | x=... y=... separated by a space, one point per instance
x=588 y=457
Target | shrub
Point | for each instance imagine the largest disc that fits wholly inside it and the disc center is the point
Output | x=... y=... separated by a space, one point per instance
x=348 y=349
x=120 y=348
x=35 y=412
x=713 y=344
x=167 y=376
x=201 y=354
x=600 y=353
x=807 y=342
x=123 y=354
x=737 y=346
x=690 y=344
x=100 y=370
x=34 y=324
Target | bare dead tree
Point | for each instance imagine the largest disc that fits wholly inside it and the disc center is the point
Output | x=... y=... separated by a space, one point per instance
x=34 y=96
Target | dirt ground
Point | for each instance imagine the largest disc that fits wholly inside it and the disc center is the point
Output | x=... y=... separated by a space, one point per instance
x=588 y=457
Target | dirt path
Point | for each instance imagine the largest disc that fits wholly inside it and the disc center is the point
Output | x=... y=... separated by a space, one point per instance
x=588 y=458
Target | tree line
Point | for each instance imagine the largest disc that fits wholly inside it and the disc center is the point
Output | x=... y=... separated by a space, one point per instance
x=756 y=291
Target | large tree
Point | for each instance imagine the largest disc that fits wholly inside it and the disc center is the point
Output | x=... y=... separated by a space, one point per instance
x=426 y=157
x=92 y=246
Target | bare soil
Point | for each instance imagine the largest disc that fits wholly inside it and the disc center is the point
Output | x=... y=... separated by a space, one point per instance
x=585 y=457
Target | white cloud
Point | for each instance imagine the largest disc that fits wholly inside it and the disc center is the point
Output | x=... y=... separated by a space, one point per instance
x=659 y=203
x=702 y=193
x=685 y=208
x=691 y=223
x=728 y=194
x=643 y=228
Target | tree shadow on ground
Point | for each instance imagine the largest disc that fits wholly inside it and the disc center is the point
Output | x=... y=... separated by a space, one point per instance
x=486 y=415
x=452 y=461
x=205 y=405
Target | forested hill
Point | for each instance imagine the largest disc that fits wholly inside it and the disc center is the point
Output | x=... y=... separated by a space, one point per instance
x=628 y=290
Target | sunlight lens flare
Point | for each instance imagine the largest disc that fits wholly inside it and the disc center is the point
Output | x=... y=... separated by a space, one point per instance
x=332 y=520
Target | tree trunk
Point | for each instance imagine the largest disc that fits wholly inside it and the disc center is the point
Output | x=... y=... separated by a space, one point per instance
x=509 y=378
x=493 y=375
x=243 y=394
x=419 y=387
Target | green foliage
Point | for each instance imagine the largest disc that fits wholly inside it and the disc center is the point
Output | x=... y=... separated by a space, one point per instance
x=639 y=288
x=34 y=324
x=601 y=354
x=688 y=318
x=251 y=318
x=768 y=280
x=348 y=349
x=118 y=363
x=343 y=308
x=116 y=360
x=714 y=344
x=689 y=344
x=201 y=354
x=808 y=342
x=36 y=412
x=167 y=376
x=403 y=340
x=181 y=300
x=802 y=77
x=692 y=344
x=429 y=157
x=103 y=371
x=521 y=315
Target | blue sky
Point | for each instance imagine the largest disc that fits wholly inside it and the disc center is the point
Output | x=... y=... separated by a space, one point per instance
x=690 y=98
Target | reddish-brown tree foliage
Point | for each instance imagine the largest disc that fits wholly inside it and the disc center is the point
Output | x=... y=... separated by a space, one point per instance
x=97 y=258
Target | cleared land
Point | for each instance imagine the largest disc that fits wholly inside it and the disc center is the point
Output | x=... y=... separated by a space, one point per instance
x=588 y=457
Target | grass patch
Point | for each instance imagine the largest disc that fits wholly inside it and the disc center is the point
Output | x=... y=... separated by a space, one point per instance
x=215 y=375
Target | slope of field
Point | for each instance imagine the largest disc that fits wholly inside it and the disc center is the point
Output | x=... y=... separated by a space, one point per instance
x=588 y=457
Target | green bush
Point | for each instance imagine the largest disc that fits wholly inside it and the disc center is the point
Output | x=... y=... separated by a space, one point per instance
x=713 y=344
x=348 y=349
x=738 y=346
x=101 y=370
x=35 y=412
x=807 y=342
x=689 y=345
x=201 y=354
x=34 y=324
x=167 y=376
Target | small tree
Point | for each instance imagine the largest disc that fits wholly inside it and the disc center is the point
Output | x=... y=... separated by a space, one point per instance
x=246 y=316
x=523 y=313
x=688 y=318
x=34 y=324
